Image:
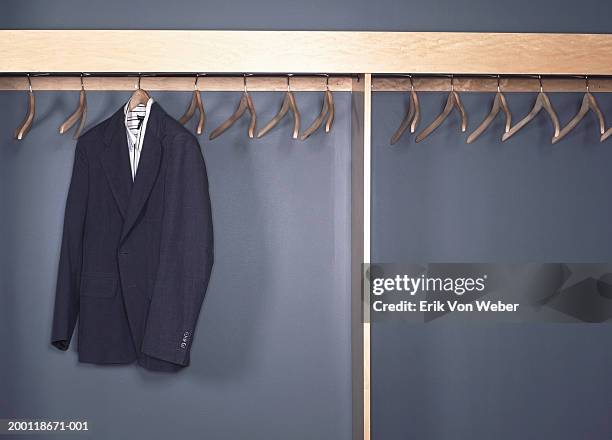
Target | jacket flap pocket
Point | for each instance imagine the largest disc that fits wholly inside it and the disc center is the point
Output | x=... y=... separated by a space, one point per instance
x=99 y=285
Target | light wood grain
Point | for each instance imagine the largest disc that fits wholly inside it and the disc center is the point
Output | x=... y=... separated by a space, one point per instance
x=357 y=254
x=304 y=84
x=484 y=84
x=367 y=215
x=361 y=127
x=169 y=83
x=97 y=51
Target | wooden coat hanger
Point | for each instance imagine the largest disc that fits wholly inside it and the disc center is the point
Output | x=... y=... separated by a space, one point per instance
x=246 y=103
x=139 y=96
x=541 y=102
x=288 y=104
x=196 y=103
x=26 y=124
x=413 y=115
x=79 y=114
x=453 y=101
x=588 y=103
x=606 y=135
x=327 y=114
x=499 y=103
x=332 y=111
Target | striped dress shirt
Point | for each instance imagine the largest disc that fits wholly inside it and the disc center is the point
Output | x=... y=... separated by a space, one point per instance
x=136 y=126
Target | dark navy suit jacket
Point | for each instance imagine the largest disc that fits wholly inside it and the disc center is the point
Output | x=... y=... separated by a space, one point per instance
x=136 y=257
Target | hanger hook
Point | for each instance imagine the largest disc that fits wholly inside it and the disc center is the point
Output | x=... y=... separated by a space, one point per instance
x=498 y=82
x=244 y=81
x=452 y=83
x=327 y=81
x=29 y=82
x=82 y=84
x=541 y=86
x=288 y=82
x=195 y=84
x=586 y=80
x=411 y=83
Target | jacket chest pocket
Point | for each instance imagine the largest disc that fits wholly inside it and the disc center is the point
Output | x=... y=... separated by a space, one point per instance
x=99 y=285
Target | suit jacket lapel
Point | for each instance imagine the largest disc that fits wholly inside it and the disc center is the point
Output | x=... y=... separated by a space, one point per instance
x=146 y=174
x=116 y=162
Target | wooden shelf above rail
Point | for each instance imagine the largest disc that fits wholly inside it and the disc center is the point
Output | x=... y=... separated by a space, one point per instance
x=182 y=51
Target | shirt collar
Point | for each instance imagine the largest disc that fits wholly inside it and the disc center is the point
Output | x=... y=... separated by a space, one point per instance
x=133 y=143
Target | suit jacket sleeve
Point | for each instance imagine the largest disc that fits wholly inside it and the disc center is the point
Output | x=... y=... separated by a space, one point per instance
x=186 y=254
x=71 y=254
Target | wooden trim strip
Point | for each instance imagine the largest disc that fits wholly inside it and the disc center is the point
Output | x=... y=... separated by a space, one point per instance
x=361 y=133
x=367 y=219
x=484 y=84
x=179 y=51
x=304 y=83
x=358 y=208
x=176 y=83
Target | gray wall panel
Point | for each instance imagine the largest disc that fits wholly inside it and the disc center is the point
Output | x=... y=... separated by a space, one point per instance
x=272 y=349
x=524 y=200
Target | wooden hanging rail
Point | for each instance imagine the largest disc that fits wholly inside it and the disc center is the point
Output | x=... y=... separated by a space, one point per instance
x=304 y=83
x=489 y=84
x=179 y=51
x=178 y=83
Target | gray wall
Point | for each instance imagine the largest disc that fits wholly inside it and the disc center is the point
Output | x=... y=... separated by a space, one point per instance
x=521 y=201
x=272 y=349
x=257 y=355
x=381 y=15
